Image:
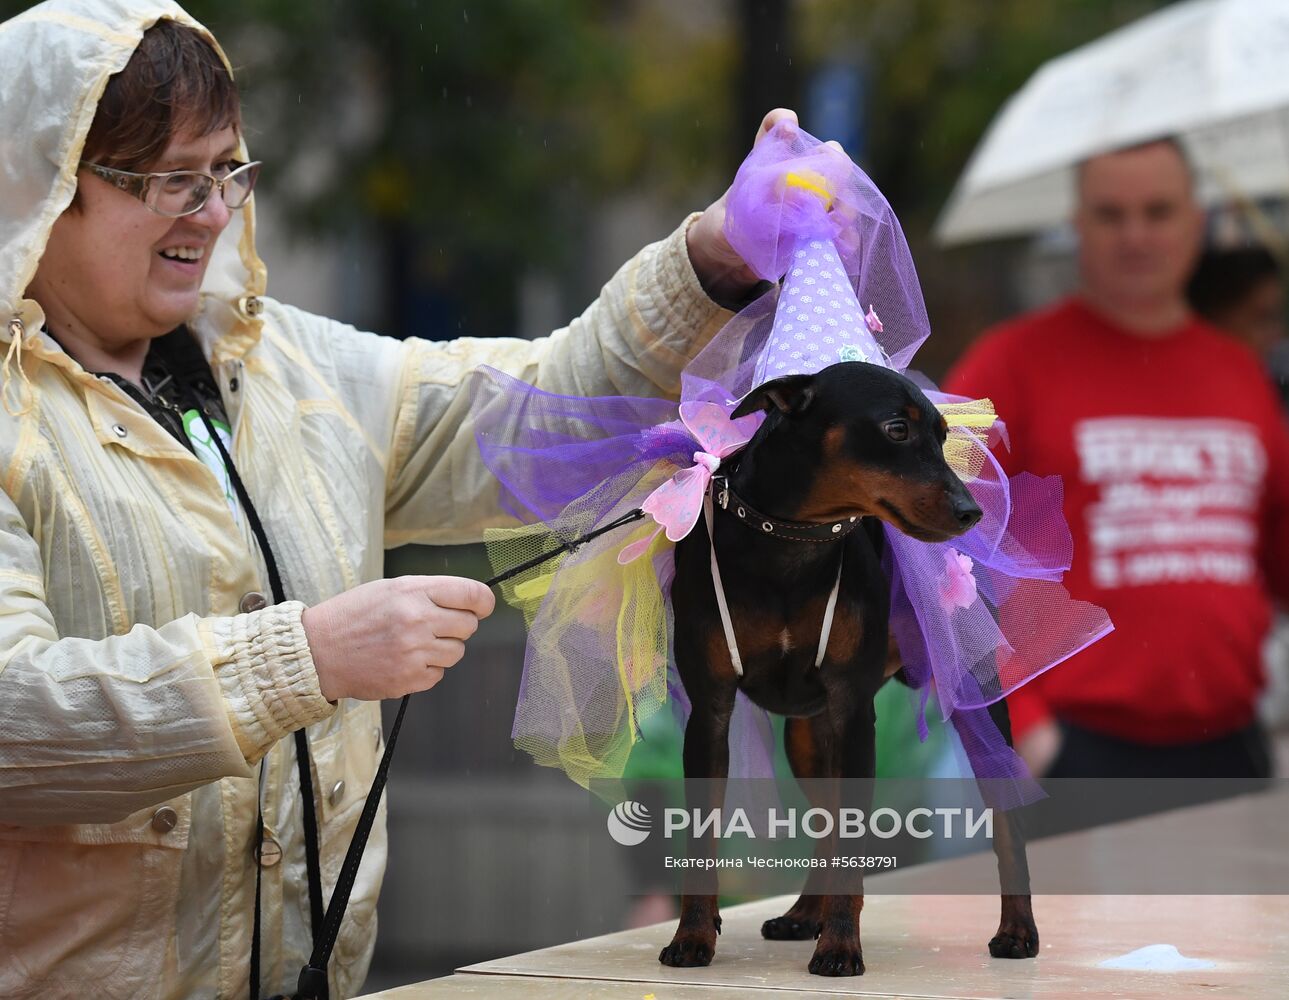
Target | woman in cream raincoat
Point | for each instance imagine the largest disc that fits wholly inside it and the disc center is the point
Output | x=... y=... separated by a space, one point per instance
x=143 y=675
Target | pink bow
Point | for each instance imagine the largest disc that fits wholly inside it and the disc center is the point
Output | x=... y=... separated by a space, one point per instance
x=676 y=504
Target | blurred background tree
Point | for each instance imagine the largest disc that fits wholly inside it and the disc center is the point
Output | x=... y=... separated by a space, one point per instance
x=935 y=72
x=481 y=145
x=477 y=139
x=475 y=146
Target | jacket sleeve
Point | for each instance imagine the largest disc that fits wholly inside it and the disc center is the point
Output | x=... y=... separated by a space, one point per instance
x=648 y=321
x=94 y=730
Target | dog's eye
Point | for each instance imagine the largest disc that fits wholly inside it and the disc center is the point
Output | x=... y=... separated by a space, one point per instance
x=896 y=430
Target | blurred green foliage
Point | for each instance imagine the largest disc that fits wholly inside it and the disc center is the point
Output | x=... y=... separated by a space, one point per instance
x=482 y=140
x=487 y=134
x=940 y=70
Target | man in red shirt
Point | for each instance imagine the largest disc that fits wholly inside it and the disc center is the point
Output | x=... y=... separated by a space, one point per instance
x=1175 y=459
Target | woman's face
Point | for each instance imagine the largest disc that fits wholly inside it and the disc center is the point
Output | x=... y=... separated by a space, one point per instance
x=117 y=272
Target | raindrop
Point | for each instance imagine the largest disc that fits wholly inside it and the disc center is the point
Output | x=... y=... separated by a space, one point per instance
x=465 y=16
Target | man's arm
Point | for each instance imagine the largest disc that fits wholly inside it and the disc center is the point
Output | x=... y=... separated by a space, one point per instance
x=1274 y=555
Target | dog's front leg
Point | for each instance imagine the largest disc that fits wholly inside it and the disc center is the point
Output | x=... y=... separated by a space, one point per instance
x=707 y=763
x=806 y=742
x=838 y=951
x=1017 y=935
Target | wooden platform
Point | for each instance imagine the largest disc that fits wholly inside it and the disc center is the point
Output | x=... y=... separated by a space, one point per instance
x=933 y=946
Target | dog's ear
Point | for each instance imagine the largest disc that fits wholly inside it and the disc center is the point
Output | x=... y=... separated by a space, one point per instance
x=791 y=394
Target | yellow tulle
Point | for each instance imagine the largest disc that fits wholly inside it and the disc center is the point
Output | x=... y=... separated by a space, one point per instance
x=596 y=663
x=968 y=440
x=808 y=180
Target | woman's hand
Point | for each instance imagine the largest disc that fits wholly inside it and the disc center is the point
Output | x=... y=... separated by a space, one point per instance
x=389 y=638
x=724 y=275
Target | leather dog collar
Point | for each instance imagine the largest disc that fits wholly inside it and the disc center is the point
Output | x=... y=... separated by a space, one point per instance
x=793 y=531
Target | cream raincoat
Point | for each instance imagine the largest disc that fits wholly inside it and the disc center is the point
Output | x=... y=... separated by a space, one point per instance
x=137 y=693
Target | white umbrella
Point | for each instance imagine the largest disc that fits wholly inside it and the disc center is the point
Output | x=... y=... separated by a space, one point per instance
x=1214 y=73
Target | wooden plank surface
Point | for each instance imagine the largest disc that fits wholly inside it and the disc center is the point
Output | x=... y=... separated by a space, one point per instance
x=482 y=987
x=928 y=946
x=934 y=946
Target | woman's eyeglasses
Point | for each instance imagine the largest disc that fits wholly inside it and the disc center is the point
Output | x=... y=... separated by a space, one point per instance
x=182 y=192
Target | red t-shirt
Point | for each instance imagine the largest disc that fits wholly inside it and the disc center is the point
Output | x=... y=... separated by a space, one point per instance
x=1175 y=458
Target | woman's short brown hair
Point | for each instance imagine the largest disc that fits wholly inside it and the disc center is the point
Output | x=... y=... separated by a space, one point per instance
x=175 y=83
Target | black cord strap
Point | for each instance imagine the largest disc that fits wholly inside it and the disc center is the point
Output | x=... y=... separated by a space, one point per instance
x=312 y=984
x=308 y=804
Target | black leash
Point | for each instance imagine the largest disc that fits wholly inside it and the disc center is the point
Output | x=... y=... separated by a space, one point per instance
x=312 y=984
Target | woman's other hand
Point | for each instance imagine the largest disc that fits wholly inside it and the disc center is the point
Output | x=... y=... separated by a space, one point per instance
x=389 y=638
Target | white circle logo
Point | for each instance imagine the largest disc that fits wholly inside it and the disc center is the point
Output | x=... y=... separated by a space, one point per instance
x=629 y=823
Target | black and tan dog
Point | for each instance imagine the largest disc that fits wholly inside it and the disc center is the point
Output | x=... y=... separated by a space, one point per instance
x=838 y=453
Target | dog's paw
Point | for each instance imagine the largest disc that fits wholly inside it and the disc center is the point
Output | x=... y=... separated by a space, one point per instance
x=1015 y=939
x=687 y=951
x=789 y=928
x=838 y=961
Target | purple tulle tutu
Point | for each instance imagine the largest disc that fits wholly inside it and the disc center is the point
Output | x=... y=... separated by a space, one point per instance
x=974 y=618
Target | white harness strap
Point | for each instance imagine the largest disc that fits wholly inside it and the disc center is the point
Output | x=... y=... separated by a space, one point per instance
x=828 y=612
x=720 y=590
x=723 y=607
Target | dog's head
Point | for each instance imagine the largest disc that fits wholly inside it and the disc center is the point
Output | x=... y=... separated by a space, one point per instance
x=875 y=444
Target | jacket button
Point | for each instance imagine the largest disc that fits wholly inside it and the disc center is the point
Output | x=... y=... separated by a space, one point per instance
x=250 y=305
x=164 y=819
x=270 y=853
x=254 y=601
x=337 y=793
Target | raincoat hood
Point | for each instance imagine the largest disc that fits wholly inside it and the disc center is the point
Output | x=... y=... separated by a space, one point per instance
x=57 y=59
